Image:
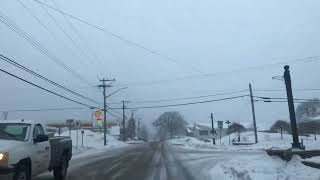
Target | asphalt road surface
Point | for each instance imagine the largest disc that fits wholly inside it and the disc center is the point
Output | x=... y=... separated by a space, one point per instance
x=148 y=161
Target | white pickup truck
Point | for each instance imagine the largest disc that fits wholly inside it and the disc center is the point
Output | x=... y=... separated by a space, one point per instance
x=27 y=151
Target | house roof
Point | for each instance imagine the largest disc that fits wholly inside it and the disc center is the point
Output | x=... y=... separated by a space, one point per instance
x=189 y=130
x=203 y=127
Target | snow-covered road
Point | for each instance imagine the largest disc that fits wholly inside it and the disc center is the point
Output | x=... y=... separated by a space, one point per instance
x=167 y=161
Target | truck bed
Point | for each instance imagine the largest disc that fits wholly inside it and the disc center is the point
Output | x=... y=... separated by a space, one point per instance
x=60 y=146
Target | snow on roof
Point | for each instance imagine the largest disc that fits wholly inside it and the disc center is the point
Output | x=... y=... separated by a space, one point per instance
x=189 y=125
x=204 y=124
x=189 y=130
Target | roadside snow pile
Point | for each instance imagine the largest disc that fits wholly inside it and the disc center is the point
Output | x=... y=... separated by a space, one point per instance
x=269 y=140
x=191 y=142
x=92 y=141
x=314 y=159
x=263 y=167
x=266 y=141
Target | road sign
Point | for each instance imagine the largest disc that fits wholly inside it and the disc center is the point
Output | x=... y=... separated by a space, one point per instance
x=220 y=124
x=97 y=113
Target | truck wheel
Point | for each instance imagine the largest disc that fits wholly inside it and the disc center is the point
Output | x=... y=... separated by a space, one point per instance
x=60 y=172
x=22 y=173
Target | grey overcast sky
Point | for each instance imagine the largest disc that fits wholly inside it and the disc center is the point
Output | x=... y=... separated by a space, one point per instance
x=220 y=38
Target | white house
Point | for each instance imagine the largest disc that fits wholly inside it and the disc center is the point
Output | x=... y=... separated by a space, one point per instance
x=203 y=131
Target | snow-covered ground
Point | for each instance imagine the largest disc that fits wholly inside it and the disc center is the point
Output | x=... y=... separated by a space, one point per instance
x=314 y=159
x=263 y=167
x=246 y=162
x=266 y=141
x=93 y=142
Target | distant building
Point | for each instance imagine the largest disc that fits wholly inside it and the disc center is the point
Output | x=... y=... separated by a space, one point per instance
x=203 y=131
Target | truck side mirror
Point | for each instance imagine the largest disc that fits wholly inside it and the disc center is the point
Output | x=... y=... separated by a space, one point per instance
x=41 y=138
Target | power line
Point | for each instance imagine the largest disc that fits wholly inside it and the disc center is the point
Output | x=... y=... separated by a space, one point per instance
x=113 y=114
x=65 y=33
x=183 y=98
x=47 y=29
x=295 y=101
x=185 y=104
x=278 y=98
x=34 y=16
x=71 y=25
x=304 y=59
x=296 y=60
x=14 y=27
x=40 y=110
x=16 y=64
x=49 y=91
x=279 y=90
x=123 y=39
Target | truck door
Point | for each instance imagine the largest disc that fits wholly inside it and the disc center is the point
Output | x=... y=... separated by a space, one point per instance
x=42 y=158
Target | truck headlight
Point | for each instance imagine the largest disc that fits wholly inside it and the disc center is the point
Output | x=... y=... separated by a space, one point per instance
x=4 y=157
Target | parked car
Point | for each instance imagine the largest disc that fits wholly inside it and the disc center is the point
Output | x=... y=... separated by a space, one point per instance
x=27 y=151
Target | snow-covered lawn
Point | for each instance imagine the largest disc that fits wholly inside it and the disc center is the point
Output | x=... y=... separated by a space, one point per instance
x=263 y=167
x=246 y=162
x=266 y=141
x=93 y=142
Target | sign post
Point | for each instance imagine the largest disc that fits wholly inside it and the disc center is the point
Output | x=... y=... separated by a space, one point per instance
x=220 y=126
x=82 y=132
x=77 y=127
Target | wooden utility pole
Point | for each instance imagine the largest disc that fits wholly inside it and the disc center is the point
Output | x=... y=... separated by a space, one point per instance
x=293 y=121
x=124 y=120
x=104 y=86
x=212 y=131
x=253 y=115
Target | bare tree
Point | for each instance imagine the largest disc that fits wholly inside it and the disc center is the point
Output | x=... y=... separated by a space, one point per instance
x=143 y=133
x=236 y=127
x=131 y=131
x=170 y=124
x=308 y=109
x=280 y=124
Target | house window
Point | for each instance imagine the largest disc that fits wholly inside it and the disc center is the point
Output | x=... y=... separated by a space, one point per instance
x=203 y=133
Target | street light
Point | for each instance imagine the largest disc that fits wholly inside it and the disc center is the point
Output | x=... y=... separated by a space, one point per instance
x=114 y=92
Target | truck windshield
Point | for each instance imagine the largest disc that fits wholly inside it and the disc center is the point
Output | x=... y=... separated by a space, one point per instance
x=14 y=131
